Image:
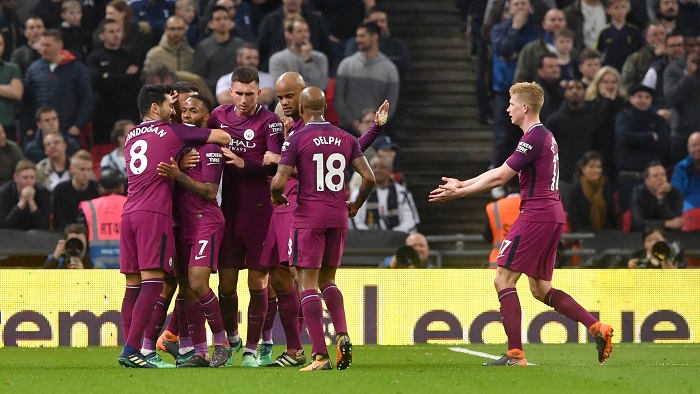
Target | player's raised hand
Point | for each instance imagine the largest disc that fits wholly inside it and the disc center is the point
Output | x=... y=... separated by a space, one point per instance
x=382 y=114
x=232 y=158
x=280 y=200
x=171 y=170
x=189 y=160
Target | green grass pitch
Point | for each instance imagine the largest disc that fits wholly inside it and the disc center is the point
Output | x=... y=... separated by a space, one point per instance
x=568 y=368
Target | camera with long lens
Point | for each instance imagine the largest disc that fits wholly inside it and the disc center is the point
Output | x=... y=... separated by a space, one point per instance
x=406 y=257
x=663 y=251
x=74 y=247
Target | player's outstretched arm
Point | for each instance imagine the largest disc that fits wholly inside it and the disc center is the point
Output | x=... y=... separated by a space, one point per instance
x=219 y=137
x=205 y=190
x=362 y=167
x=486 y=181
x=278 y=184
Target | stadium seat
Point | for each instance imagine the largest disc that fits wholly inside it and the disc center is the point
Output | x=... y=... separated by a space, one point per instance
x=331 y=114
x=691 y=220
x=98 y=152
x=626 y=220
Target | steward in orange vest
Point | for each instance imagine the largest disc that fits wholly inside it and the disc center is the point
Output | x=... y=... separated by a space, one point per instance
x=502 y=214
x=102 y=216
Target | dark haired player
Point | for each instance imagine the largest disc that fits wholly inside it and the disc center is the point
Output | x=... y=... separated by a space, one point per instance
x=530 y=247
x=245 y=202
x=146 y=231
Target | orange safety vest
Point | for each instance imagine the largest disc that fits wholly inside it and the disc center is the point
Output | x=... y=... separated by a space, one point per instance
x=502 y=215
x=103 y=216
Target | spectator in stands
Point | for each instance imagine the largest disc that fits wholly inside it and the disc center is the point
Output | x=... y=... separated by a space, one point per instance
x=574 y=126
x=666 y=12
x=566 y=57
x=609 y=98
x=155 y=13
x=644 y=258
x=342 y=18
x=137 y=38
x=115 y=80
x=173 y=50
x=549 y=78
x=655 y=202
x=23 y=204
x=67 y=195
x=248 y=56
x=271 y=31
x=50 y=12
x=58 y=79
x=501 y=216
x=212 y=56
x=102 y=217
x=686 y=174
x=385 y=146
x=419 y=243
x=654 y=77
x=588 y=65
x=10 y=155
x=618 y=39
x=587 y=19
x=76 y=38
x=682 y=93
x=300 y=56
x=185 y=10
x=638 y=63
x=390 y=206
x=393 y=48
x=69 y=253
x=590 y=204
x=531 y=54
x=54 y=168
x=641 y=137
x=10 y=27
x=365 y=79
x=28 y=53
x=115 y=161
x=47 y=123
x=11 y=90
x=508 y=39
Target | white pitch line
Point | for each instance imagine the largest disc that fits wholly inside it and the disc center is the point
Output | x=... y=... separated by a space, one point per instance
x=480 y=354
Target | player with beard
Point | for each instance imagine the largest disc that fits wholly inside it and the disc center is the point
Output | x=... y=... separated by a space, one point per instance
x=146 y=230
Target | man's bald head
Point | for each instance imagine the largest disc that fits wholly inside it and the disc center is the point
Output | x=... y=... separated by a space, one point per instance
x=289 y=80
x=312 y=99
x=288 y=87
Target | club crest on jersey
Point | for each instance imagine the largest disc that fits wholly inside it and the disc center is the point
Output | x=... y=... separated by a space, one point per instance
x=523 y=147
x=249 y=134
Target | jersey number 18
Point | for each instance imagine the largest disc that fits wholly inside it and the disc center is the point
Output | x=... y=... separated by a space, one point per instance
x=326 y=172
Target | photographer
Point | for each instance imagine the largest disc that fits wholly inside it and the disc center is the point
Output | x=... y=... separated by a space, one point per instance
x=71 y=252
x=657 y=252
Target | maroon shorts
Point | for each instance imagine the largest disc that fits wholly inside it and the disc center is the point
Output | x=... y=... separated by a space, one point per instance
x=531 y=248
x=199 y=246
x=244 y=237
x=278 y=243
x=146 y=242
x=314 y=247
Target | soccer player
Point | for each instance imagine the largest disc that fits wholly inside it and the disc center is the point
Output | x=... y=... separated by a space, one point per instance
x=531 y=245
x=283 y=284
x=146 y=230
x=201 y=230
x=320 y=153
x=246 y=205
